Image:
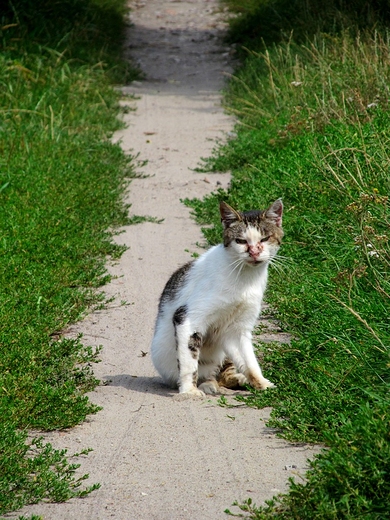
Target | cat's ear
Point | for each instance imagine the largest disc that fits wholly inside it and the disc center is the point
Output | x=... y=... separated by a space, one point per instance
x=228 y=215
x=275 y=212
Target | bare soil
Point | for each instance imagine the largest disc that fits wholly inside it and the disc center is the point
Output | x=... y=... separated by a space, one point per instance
x=155 y=455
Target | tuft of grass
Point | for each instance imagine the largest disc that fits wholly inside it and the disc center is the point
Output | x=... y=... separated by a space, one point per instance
x=89 y=32
x=254 y=23
x=62 y=185
x=314 y=129
x=35 y=471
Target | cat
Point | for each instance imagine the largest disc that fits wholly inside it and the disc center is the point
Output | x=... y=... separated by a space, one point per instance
x=209 y=307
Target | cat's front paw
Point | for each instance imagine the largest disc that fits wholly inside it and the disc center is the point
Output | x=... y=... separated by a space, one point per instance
x=260 y=383
x=265 y=383
x=191 y=392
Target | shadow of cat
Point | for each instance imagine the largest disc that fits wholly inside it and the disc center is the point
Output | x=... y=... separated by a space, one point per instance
x=146 y=385
x=155 y=385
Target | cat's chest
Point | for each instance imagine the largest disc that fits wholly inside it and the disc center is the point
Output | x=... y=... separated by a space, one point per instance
x=228 y=311
x=225 y=319
x=225 y=310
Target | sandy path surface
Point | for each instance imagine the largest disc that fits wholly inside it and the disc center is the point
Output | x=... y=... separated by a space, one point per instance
x=157 y=456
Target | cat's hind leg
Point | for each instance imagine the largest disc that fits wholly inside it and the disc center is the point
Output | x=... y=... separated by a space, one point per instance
x=229 y=377
x=210 y=387
x=163 y=351
x=209 y=365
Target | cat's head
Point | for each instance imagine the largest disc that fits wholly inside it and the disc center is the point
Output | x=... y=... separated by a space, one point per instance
x=253 y=236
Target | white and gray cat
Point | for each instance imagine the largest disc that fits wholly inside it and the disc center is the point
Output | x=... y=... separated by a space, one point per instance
x=209 y=307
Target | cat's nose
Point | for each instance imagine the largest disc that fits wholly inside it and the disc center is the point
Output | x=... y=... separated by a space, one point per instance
x=255 y=250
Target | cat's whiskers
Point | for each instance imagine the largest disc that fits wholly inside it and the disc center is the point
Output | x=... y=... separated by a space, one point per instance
x=280 y=263
x=237 y=263
x=282 y=257
x=239 y=271
x=283 y=260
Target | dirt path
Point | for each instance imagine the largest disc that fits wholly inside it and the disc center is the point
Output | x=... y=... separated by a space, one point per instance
x=156 y=456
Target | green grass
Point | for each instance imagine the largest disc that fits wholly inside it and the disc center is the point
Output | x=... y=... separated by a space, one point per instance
x=255 y=22
x=62 y=184
x=314 y=128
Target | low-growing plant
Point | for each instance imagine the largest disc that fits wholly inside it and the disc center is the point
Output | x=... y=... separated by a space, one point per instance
x=32 y=470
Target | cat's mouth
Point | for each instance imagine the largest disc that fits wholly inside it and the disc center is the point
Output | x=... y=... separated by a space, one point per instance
x=254 y=261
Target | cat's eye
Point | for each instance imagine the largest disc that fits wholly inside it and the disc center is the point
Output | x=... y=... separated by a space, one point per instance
x=240 y=241
x=265 y=239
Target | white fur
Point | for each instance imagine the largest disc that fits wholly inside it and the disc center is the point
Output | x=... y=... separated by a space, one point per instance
x=223 y=292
